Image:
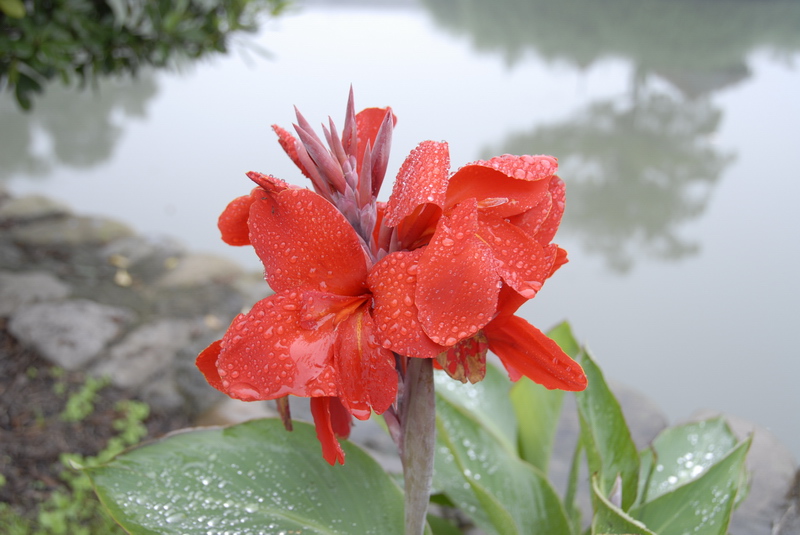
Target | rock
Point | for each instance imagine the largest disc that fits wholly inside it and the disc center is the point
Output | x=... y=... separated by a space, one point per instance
x=147 y=351
x=18 y=289
x=70 y=333
x=145 y=259
x=68 y=232
x=233 y=411
x=29 y=208
x=197 y=269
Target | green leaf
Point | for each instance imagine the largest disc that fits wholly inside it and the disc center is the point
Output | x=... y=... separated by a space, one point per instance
x=703 y=505
x=502 y=493
x=13 y=8
x=488 y=402
x=562 y=335
x=684 y=452
x=609 y=519
x=538 y=409
x=610 y=450
x=442 y=526
x=252 y=477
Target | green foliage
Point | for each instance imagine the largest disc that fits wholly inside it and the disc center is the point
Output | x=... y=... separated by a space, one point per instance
x=82 y=39
x=249 y=477
x=494 y=446
x=696 y=469
x=74 y=508
x=81 y=403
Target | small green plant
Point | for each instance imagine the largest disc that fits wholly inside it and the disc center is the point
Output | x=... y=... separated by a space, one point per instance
x=74 y=508
x=81 y=403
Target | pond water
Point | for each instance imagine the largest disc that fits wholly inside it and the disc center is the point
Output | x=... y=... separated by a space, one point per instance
x=677 y=126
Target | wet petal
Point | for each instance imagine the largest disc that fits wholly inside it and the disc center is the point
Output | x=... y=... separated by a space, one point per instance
x=457 y=285
x=232 y=223
x=422 y=179
x=498 y=194
x=525 y=350
x=266 y=354
x=368 y=123
x=320 y=308
x=561 y=259
x=525 y=167
x=549 y=226
x=207 y=363
x=393 y=282
x=519 y=259
x=321 y=409
x=531 y=220
x=304 y=241
x=367 y=376
x=466 y=361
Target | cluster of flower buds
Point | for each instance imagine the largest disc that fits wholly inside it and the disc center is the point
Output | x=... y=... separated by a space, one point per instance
x=362 y=286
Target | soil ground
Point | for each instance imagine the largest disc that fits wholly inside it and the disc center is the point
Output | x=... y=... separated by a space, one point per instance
x=33 y=395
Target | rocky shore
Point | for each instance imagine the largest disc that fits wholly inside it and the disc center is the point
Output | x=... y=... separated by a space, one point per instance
x=91 y=296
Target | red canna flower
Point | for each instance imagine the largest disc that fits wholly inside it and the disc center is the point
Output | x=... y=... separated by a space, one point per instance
x=360 y=286
x=315 y=337
x=466 y=240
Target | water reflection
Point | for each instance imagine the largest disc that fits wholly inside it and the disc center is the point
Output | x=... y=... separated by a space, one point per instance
x=636 y=172
x=657 y=35
x=638 y=168
x=71 y=128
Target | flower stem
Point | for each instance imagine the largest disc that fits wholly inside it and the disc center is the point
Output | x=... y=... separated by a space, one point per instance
x=419 y=439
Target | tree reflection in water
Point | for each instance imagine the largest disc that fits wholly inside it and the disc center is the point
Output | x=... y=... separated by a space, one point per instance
x=636 y=169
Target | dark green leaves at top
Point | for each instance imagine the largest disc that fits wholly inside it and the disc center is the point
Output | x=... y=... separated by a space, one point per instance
x=610 y=450
x=250 y=478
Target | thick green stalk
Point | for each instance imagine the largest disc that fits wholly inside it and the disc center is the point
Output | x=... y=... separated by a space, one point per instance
x=419 y=440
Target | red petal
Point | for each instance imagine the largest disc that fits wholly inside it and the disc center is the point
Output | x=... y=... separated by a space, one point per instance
x=530 y=220
x=508 y=302
x=519 y=259
x=525 y=349
x=525 y=167
x=319 y=308
x=368 y=123
x=422 y=179
x=207 y=363
x=232 y=223
x=367 y=376
x=457 y=284
x=498 y=193
x=304 y=241
x=393 y=283
x=548 y=228
x=266 y=354
x=341 y=420
x=331 y=449
x=560 y=260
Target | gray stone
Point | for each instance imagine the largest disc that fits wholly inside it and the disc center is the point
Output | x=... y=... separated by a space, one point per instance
x=147 y=351
x=146 y=259
x=69 y=232
x=197 y=269
x=17 y=289
x=31 y=207
x=70 y=333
